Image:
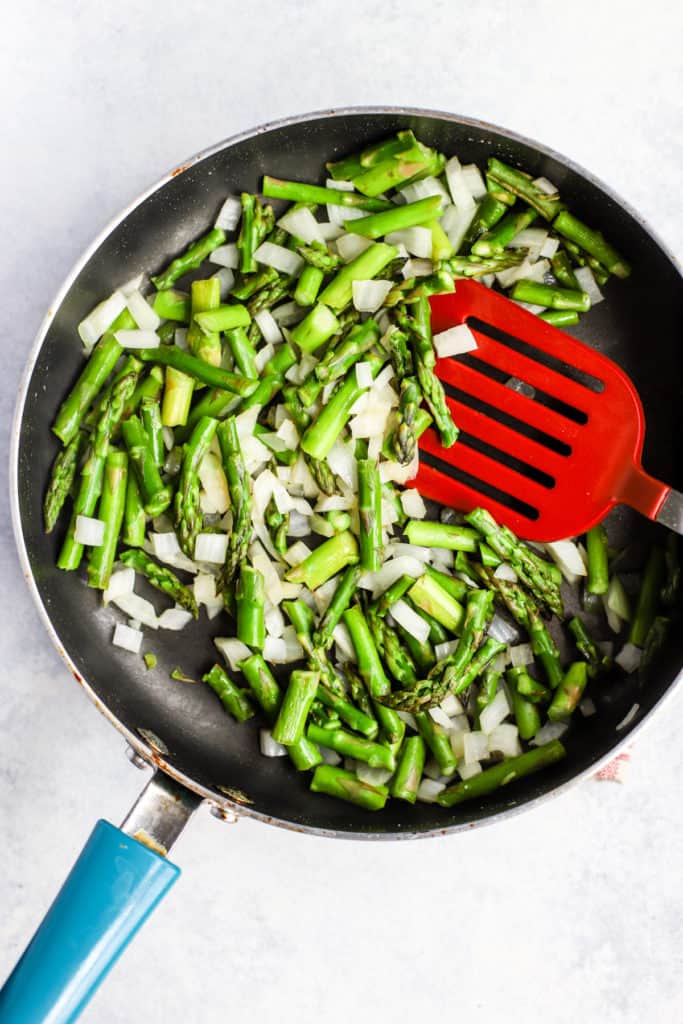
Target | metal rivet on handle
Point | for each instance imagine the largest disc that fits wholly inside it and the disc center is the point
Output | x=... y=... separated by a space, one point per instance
x=136 y=759
x=223 y=814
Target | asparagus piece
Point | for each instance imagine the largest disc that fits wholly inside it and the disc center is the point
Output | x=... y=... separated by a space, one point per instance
x=374 y=754
x=195 y=254
x=320 y=436
x=533 y=571
x=521 y=185
x=656 y=636
x=490 y=210
x=250 y=596
x=178 y=388
x=399 y=353
x=489 y=650
x=508 y=228
x=156 y=497
x=416 y=162
x=501 y=774
x=301 y=617
x=404 y=439
x=296 y=704
x=318 y=256
x=347 y=786
x=110 y=511
x=232 y=697
x=315 y=329
x=547 y=295
x=563 y=270
x=441 y=535
x=188 y=517
x=477 y=266
x=390 y=649
x=421 y=653
x=341 y=600
x=646 y=608
x=499 y=193
x=277 y=524
x=61 y=481
x=173 y=305
x=406 y=781
x=257 y=222
x=526 y=713
x=308 y=285
x=592 y=241
x=530 y=688
x=393 y=594
x=326 y=561
x=190 y=366
x=364 y=267
x=243 y=352
x=598 y=569
x=376 y=225
x=370 y=515
x=455 y=587
x=560 y=317
x=93 y=375
x=372 y=673
x=597 y=661
x=422 y=421
x=296 y=409
x=488 y=687
x=160 y=577
x=299 y=192
x=304 y=754
x=216 y=318
x=273 y=378
x=150 y=413
x=205 y=343
x=420 y=334
x=323 y=475
x=355 y=718
x=569 y=692
x=89 y=490
x=339 y=360
x=430 y=596
x=134 y=518
x=240 y=498
x=149 y=387
x=438 y=741
x=543 y=646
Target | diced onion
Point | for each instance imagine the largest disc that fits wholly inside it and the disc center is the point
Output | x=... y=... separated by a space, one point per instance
x=413 y=504
x=349 y=246
x=439 y=716
x=211 y=547
x=418 y=241
x=342 y=461
x=445 y=649
x=334 y=503
x=341 y=185
x=412 y=550
x=495 y=712
x=93 y=326
x=268 y=326
x=127 y=638
x=226 y=256
x=549 y=731
x=521 y=655
x=368 y=296
x=628 y=718
x=265 y=353
x=455 y=222
x=134 y=285
x=474 y=181
x=468 y=770
x=330 y=230
x=504 y=571
x=275 y=621
x=455 y=341
x=344 y=649
x=270 y=747
x=423 y=189
x=629 y=658
x=549 y=247
x=289 y=313
x=180 y=340
x=392 y=570
x=142 y=312
x=214 y=484
x=409 y=719
x=302 y=224
x=616 y=599
x=545 y=186
x=226 y=279
x=137 y=339
x=416 y=268
x=89 y=531
x=283 y=649
x=363 y=375
x=120 y=582
x=476 y=747
x=174 y=618
x=413 y=623
x=504 y=739
x=137 y=608
x=588 y=284
x=587 y=707
x=204 y=589
x=568 y=557
x=428 y=790
x=229 y=214
x=232 y=650
x=532 y=239
x=284 y=260
x=502 y=630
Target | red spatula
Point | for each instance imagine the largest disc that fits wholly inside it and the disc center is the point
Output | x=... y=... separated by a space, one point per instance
x=551 y=430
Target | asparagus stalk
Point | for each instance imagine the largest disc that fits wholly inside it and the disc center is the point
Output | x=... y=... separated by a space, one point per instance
x=317 y=255
x=339 y=360
x=501 y=774
x=526 y=713
x=488 y=687
x=569 y=692
x=438 y=741
x=531 y=689
x=337 y=294
x=543 y=646
x=326 y=561
x=355 y=718
x=296 y=704
x=478 y=266
x=205 y=373
x=232 y=697
x=299 y=192
x=372 y=673
x=110 y=511
x=160 y=577
x=320 y=436
x=156 y=497
x=188 y=517
x=347 y=786
x=376 y=225
x=430 y=597
x=240 y=498
x=195 y=254
x=563 y=270
x=521 y=185
x=243 y=352
x=560 y=317
x=370 y=515
x=204 y=341
x=134 y=518
x=89 y=490
x=547 y=295
x=341 y=600
x=480 y=660
x=250 y=596
x=374 y=754
x=404 y=436
x=150 y=386
x=150 y=414
x=173 y=305
x=441 y=535
x=102 y=360
x=424 y=359
x=308 y=285
x=649 y=595
x=597 y=662
x=315 y=329
x=273 y=378
x=216 y=318
x=592 y=241
x=406 y=781
x=61 y=481
x=393 y=594
x=502 y=234
x=393 y=654
x=455 y=587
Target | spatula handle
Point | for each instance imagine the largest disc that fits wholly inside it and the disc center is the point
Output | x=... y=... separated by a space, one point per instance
x=654 y=499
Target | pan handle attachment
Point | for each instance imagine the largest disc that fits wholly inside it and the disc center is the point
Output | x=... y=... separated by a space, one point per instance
x=119 y=878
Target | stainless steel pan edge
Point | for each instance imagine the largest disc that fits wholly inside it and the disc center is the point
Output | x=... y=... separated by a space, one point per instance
x=228 y=805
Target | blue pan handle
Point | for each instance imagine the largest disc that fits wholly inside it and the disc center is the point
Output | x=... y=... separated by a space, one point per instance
x=112 y=889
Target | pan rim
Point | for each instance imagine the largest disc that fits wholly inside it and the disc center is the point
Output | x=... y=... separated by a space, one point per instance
x=131 y=738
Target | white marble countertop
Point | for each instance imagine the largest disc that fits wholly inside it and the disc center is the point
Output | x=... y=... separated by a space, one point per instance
x=571 y=912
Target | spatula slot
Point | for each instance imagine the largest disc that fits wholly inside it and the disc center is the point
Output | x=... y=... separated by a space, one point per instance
x=574 y=373
x=533 y=433
x=528 y=390
x=519 y=465
x=486 y=489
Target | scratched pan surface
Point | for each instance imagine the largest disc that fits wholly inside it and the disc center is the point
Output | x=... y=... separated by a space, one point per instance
x=640 y=325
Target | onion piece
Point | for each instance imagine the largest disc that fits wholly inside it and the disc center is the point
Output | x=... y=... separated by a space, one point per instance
x=142 y=312
x=455 y=341
x=504 y=739
x=229 y=214
x=232 y=651
x=268 y=326
x=120 y=582
x=137 y=339
x=418 y=241
x=226 y=279
x=549 y=247
x=588 y=284
x=330 y=231
x=476 y=747
x=350 y=246
x=629 y=658
x=174 y=618
x=423 y=189
x=284 y=260
x=373 y=776
x=363 y=375
x=302 y=224
x=549 y=731
x=628 y=718
x=283 y=649
x=392 y=570
x=127 y=638
x=616 y=599
x=137 y=608
x=504 y=571
x=270 y=747
x=467 y=770
x=416 y=268
x=521 y=655
x=134 y=285
x=413 y=623
x=180 y=340
x=211 y=547
x=567 y=556
x=439 y=716
x=413 y=504
x=368 y=296
x=99 y=319
x=587 y=707
x=204 y=589
x=89 y=531
x=275 y=621
x=226 y=256
x=501 y=629
x=166 y=548
x=545 y=186
x=428 y=790
x=214 y=484
x=344 y=649
x=472 y=177
x=445 y=649
x=495 y=712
